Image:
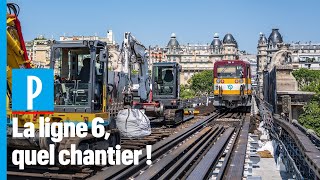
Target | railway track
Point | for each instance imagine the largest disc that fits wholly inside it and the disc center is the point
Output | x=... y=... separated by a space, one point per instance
x=53 y=172
x=204 y=149
x=159 y=132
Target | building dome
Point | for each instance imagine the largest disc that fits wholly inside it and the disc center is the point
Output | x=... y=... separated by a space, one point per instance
x=262 y=39
x=216 y=41
x=173 y=41
x=229 y=39
x=275 y=37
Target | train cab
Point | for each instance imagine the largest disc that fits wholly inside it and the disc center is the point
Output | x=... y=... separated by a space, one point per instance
x=232 y=84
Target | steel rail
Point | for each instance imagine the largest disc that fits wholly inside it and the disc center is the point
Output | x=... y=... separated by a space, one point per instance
x=203 y=169
x=227 y=158
x=176 y=163
x=184 y=166
x=236 y=166
x=124 y=172
x=155 y=170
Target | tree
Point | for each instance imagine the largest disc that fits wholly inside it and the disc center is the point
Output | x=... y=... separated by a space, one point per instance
x=305 y=77
x=186 y=92
x=311 y=117
x=309 y=80
x=202 y=82
x=134 y=72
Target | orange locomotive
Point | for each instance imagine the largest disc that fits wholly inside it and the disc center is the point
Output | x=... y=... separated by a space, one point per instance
x=232 y=84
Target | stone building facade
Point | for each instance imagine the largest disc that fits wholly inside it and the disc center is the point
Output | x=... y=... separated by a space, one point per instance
x=39 y=51
x=195 y=57
x=230 y=47
x=305 y=55
x=109 y=39
x=252 y=59
x=39 y=48
x=273 y=50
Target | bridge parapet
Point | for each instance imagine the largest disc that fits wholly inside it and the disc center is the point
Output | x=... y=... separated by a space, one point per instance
x=285 y=79
x=291 y=102
x=300 y=147
x=296 y=145
x=281 y=91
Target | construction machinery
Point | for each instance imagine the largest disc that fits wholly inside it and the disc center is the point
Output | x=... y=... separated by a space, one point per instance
x=163 y=101
x=137 y=87
x=131 y=121
x=81 y=89
x=17 y=58
x=165 y=93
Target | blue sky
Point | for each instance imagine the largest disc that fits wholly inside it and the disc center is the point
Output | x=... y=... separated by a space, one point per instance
x=152 y=22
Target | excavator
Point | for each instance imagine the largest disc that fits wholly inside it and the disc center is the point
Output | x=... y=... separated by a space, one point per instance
x=166 y=103
x=81 y=89
x=17 y=58
x=134 y=53
x=131 y=121
x=163 y=101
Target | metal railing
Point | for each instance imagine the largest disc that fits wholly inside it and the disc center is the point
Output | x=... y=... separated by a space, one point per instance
x=265 y=110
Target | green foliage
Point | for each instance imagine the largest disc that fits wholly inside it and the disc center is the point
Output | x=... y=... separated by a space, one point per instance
x=309 y=80
x=186 y=92
x=134 y=72
x=311 y=117
x=306 y=77
x=202 y=82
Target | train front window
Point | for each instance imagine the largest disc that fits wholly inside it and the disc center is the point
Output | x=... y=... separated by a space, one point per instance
x=230 y=71
x=163 y=80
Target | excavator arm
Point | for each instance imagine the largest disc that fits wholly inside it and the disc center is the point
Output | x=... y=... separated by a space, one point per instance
x=135 y=53
x=17 y=56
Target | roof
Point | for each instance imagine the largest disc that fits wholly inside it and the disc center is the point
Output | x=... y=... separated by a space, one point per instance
x=275 y=37
x=262 y=39
x=216 y=41
x=229 y=39
x=173 y=42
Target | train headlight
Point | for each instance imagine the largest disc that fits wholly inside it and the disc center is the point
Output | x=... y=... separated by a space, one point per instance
x=222 y=81
x=241 y=81
x=218 y=80
x=236 y=81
